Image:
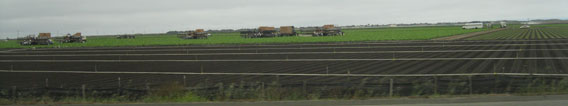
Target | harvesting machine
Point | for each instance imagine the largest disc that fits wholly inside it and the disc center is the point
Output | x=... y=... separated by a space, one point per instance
x=41 y=39
x=287 y=31
x=77 y=37
x=327 y=30
x=197 y=34
x=262 y=31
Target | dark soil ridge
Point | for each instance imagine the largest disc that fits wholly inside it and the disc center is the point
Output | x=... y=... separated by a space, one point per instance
x=468 y=35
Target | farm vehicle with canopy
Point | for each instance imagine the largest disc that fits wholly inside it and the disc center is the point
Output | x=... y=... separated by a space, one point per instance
x=41 y=39
x=197 y=34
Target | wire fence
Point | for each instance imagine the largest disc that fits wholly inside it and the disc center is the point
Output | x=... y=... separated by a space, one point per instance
x=278 y=85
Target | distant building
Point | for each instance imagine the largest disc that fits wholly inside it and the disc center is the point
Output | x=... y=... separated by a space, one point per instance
x=503 y=24
x=393 y=25
x=472 y=26
x=525 y=26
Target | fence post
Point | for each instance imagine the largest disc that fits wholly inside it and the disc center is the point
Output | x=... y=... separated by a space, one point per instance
x=96 y=68
x=119 y=87
x=348 y=77
x=494 y=70
x=334 y=51
x=326 y=69
x=495 y=83
x=201 y=68
x=148 y=88
x=263 y=91
x=147 y=85
x=393 y=56
x=184 y=81
x=304 y=88
x=46 y=82
x=14 y=92
x=470 y=86
x=83 y=91
x=206 y=82
x=11 y=67
x=119 y=82
x=391 y=87
x=435 y=85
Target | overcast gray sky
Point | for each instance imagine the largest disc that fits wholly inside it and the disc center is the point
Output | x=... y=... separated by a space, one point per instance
x=158 y=16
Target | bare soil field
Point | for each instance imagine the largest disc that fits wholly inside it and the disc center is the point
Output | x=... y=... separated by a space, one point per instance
x=409 y=57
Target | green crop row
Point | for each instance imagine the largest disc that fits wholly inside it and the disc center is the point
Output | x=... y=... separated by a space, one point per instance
x=374 y=34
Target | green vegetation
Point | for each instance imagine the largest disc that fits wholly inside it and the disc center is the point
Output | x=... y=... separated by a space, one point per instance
x=550 y=31
x=274 y=91
x=413 y=33
x=170 y=92
x=181 y=97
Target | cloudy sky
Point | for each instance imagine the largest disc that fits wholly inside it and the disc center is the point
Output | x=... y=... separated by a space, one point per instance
x=96 y=17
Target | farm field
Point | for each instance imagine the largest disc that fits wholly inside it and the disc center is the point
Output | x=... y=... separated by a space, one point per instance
x=329 y=69
x=281 y=52
x=411 y=57
x=413 y=33
x=552 y=31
